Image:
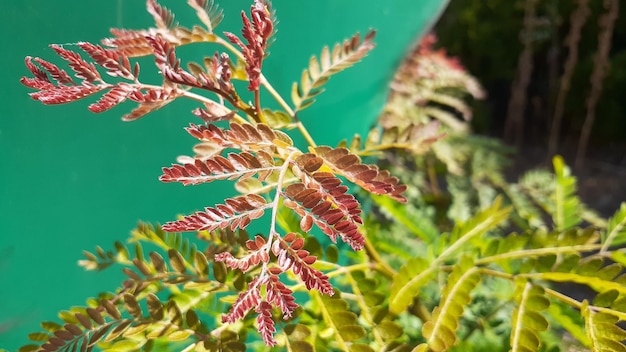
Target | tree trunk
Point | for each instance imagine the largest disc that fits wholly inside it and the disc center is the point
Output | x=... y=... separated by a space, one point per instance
x=514 y=126
x=601 y=63
x=578 y=19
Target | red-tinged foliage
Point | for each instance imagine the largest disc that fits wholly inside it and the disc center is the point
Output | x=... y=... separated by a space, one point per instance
x=214 y=112
x=265 y=323
x=128 y=42
x=116 y=63
x=369 y=177
x=57 y=74
x=319 y=207
x=259 y=156
x=236 y=213
x=66 y=94
x=163 y=17
x=113 y=97
x=241 y=136
x=281 y=296
x=234 y=166
x=217 y=81
x=244 y=264
x=247 y=300
x=290 y=256
x=256 y=33
x=84 y=70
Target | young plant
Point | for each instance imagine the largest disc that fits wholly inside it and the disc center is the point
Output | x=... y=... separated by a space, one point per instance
x=416 y=277
x=271 y=173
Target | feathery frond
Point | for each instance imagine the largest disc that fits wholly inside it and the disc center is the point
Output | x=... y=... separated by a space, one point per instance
x=319 y=72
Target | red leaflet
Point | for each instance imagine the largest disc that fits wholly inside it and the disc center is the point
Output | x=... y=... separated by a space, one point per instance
x=66 y=94
x=236 y=213
x=256 y=33
x=369 y=177
x=281 y=296
x=334 y=216
x=234 y=166
x=245 y=302
x=266 y=323
x=113 y=97
x=83 y=69
x=116 y=63
x=57 y=74
x=129 y=42
x=162 y=16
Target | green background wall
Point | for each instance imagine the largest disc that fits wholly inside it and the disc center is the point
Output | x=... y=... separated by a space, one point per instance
x=71 y=180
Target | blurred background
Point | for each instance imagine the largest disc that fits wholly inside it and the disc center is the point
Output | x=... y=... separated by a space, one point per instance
x=555 y=75
x=554 y=72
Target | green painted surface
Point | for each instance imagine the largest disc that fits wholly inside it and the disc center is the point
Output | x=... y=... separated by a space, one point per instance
x=71 y=180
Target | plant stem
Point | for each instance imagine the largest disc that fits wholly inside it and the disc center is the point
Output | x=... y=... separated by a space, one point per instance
x=267 y=85
x=257 y=106
x=526 y=253
x=373 y=254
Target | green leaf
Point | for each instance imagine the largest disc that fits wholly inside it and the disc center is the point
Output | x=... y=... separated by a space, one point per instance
x=319 y=71
x=475 y=227
x=179 y=335
x=566 y=321
x=276 y=119
x=125 y=346
x=602 y=330
x=201 y=264
x=332 y=253
x=422 y=228
x=407 y=283
x=359 y=347
x=389 y=330
x=132 y=306
x=441 y=330
x=300 y=346
x=566 y=214
x=527 y=322
x=351 y=332
x=177 y=261
x=596 y=283
x=616 y=229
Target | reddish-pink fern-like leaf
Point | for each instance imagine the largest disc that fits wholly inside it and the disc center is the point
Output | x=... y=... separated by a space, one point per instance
x=234 y=166
x=66 y=94
x=246 y=301
x=113 y=97
x=329 y=185
x=292 y=257
x=256 y=33
x=116 y=63
x=241 y=136
x=369 y=177
x=82 y=68
x=217 y=81
x=57 y=74
x=214 y=112
x=163 y=18
x=152 y=100
x=266 y=323
x=281 y=296
x=38 y=72
x=132 y=43
x=236 y=213
x=245 y=263
x=313 y=204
